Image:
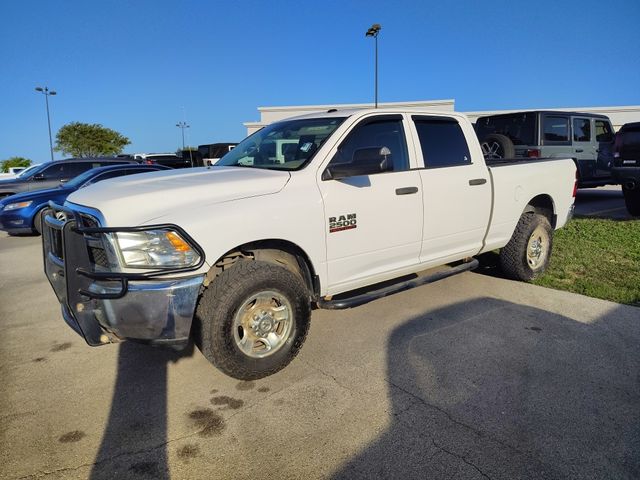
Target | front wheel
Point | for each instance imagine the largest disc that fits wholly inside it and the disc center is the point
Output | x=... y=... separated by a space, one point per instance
x=632 y=200
x=252 y=319
x=527 y=254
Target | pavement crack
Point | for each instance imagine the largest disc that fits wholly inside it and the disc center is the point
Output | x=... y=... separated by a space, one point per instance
x=332 y=377
x=460 y=457
x=480 y=433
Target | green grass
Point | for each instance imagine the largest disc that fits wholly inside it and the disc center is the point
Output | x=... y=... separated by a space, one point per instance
x=596 y=257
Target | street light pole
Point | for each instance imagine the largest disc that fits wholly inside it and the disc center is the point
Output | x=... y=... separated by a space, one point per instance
x=182 y=126
x=373 y=32
x=46 y=92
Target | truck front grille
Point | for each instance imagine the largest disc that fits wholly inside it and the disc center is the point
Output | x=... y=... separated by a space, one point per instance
x=98 y=257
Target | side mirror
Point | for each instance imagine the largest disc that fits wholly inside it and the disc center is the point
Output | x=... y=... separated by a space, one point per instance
x=38 y=176
x=366 y=161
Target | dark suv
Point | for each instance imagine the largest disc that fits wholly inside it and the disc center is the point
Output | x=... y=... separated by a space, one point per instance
x=585 y=137
x=626 y=165
x=53 y=174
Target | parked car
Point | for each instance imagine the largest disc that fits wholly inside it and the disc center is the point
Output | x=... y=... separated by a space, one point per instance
x=585 y=137
x=239 y=253
x=14 y=172
x=626 y=165
x=53 y=174
x=22 y=213
x=167 y=159
x=213 y=152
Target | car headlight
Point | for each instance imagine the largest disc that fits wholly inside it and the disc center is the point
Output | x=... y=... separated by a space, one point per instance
x=17 y=205
x=161 y=248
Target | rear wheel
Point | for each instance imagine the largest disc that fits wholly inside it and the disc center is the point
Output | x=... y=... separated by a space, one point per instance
x=496 y=146
x=252 y=319
x=527 y=254
x=632 y=200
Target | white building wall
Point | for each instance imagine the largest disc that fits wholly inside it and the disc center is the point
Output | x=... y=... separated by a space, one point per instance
x=618 y=115
x=272 y=114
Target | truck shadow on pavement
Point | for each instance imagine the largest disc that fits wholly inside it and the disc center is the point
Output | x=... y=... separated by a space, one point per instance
x=492 y=389
x=138 y=415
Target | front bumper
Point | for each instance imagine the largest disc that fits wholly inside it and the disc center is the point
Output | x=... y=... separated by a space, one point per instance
x=106 y=307
x=13 y=222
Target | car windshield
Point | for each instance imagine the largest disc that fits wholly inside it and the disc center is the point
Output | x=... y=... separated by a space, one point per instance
x=286 y=145
x=31 y=169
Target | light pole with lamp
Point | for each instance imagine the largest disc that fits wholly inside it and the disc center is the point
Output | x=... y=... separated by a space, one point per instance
x=373 y=32
x=46 y=92
x=182 y=126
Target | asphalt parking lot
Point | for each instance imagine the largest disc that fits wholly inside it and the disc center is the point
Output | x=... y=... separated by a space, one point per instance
x=471 y=377
x=602 y=202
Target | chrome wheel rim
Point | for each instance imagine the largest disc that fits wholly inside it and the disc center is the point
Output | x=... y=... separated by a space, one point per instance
x=262 y=324
x=537 y=248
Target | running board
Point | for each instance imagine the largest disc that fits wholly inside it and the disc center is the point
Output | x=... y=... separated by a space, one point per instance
x=399 y=287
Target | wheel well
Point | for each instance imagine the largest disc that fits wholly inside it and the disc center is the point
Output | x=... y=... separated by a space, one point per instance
x=543 y=205
x=279 y=252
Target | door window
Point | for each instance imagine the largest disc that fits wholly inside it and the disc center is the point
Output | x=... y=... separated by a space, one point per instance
x=604 y=133
x=376 y=134
x=442 y=142
x=53 y=172
x=70 y=170
x=581 y=130
x=556 y=129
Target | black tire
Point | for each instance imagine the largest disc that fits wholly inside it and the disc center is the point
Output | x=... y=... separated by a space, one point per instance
x=632 y=200
x=496 y=146
x=37 y=222
x=221 y=303
x=517 y=258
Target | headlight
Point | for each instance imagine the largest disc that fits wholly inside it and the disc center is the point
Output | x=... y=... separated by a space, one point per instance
x=17 y=205
x=154 y=249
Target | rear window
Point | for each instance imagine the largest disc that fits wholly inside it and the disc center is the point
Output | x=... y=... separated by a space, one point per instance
x=581 y=130
x=556 y=129
x=442 y=142
x=520 y=128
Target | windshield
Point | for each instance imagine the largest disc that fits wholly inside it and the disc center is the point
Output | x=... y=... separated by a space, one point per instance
x=31 y=169
x=286 y=145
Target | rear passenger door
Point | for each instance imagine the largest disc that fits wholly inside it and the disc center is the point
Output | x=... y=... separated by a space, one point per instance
x=456 y=190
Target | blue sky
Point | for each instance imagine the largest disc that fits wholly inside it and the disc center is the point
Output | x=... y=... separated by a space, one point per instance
x=139 y=66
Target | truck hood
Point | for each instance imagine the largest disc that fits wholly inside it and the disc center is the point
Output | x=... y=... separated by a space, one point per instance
x=138 y=199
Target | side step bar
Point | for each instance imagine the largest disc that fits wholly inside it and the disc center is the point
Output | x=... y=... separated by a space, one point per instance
x=398 y=287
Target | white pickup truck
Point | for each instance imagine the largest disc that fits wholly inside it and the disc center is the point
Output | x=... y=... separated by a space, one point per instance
x=238 y=254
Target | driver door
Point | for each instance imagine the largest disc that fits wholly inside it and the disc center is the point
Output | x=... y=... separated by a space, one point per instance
x=373 y=222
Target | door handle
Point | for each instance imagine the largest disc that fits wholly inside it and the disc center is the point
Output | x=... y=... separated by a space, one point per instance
x=477 y=181
x=406 y=190
x=579 y=150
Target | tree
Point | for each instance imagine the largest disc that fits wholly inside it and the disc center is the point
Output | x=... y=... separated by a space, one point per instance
x=14 y=162
x=89 y=140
